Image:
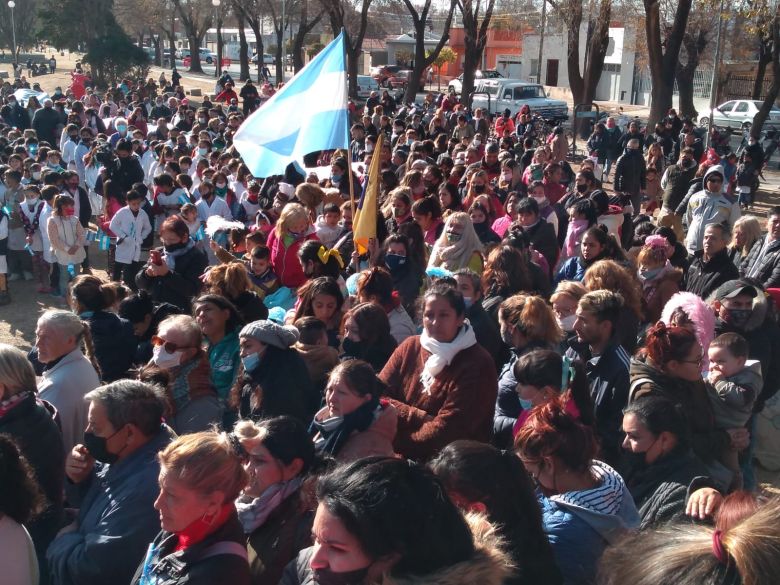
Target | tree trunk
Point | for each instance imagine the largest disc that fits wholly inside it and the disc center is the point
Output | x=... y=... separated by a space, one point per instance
x=157 y=42
x=475 y=39
x=298 y=42
x=471 y=58
x=774 y=88
x=194 y=42
x=764 y=59
x=353 y=55
x=218 y=64
x=279 y=57
x=243 y=48
x=685 y=90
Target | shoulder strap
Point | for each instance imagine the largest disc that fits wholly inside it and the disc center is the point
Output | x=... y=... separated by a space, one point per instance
x=636 y=384
x=225 y=547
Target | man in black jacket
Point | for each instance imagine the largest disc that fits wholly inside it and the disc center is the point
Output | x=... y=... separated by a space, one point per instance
x=128 y=169
x=485 y=329
x=46 y=122
x=675 y=183
x=711 y=266
x=596 y=345
x=630 y=173
x=763 y=261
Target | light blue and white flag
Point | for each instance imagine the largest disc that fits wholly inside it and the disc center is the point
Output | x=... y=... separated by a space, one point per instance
x=308 y=114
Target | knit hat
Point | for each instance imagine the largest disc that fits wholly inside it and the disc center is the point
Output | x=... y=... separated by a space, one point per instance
x=270 y=333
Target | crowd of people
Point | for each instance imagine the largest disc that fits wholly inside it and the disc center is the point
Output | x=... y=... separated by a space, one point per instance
x=527 y=376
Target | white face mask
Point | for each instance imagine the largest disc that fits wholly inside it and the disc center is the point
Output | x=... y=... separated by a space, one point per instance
x=567 y=323
x=540 y=200
x=166 y=360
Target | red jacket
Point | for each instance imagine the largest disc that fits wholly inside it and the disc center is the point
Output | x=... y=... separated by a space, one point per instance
x=285 y=260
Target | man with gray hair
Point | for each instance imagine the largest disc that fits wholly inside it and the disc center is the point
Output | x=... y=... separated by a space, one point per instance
x=117 y=468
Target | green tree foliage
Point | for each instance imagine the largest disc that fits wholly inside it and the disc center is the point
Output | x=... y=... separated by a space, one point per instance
x=113 y=55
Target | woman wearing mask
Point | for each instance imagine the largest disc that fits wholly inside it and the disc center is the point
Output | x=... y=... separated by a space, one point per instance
x=481 y=219
x=501 y=225
x=202 y=541
x=376 y=286
x=479 y=185
x=386 y=520
x=399 y=206
x=273 y=379
x=660 y=280
x=564 y=305
x=354 y=423
x=406 y=272
x=173 y=272
x=413 y=180
x=458 y=247
x=275 y=508
x=581 y=217
x=510 y=178
x=292 y=229
x=481 y=479
x=442 y=382
x=586 y=505
x=367 y=336
x=223 y=191
x=527 y=323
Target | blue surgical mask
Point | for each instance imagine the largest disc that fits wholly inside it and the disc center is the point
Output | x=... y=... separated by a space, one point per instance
x=121 y=128
x=335 y=179
x=250 y=361
x=468 y=301
x=645 y=275
x=202 y=151
x=526 y=404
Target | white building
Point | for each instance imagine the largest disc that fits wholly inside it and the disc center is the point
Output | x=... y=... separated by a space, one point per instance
x=617 y=79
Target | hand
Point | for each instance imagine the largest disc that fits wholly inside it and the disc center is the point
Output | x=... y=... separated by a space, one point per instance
x=213 y=245
x=119 y=241
x=72 y=250
x=79 y=464
x=714 y=376
x=703 y=503
x=740 y=438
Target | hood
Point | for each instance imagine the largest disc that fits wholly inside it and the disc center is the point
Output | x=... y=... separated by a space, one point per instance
x=715 y=169
x=607 y=508
x=698 y=311
x=489 y=565
x=760 y=307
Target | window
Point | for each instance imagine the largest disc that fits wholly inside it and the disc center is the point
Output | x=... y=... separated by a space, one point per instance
x=727 y=107
x=507 y=94
x=742 y=107
x=528 y=92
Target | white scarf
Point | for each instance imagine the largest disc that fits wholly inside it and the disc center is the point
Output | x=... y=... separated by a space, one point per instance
x=442 y=354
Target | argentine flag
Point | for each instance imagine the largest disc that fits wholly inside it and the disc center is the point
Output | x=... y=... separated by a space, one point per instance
x=308 y=114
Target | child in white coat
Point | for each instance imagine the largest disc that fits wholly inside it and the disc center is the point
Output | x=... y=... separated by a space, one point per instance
x=30 y=212
x=67 y=238
x=131 y=225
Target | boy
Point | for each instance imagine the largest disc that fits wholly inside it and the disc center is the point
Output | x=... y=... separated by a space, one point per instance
x=263 y=279
x=735 y=383
x=327 y=225
x=312 y=345
x=48 y=193
x=19 y=261
x=131 y=226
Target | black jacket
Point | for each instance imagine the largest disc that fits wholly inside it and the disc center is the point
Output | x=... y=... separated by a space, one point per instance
x=487 y=333
x=544 y=241
x=766 y=264
x=115 y=344
x=250 y=306
x=703 y=278
x=127 y=172
x=211 y=561
x=45 y=122
x=630 y=172
x=180 y=286
x=678 y=180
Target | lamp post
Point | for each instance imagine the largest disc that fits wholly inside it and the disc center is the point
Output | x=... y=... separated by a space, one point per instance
x=12 y=5
x=218 y=64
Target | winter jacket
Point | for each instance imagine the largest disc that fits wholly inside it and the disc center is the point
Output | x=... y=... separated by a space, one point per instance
x=732 y=398
x=319 y=360
x=401 y=325
x=376 y=440
x=763 y=263
x=544 y=241
x=31 y=424
x=608 y=377
x=487 y=333
x=116 y=520
x=275 y=543
x=581 y=524
x=489 y=565
x=675 y=182
x=706 y=208
x=114 y=341
x=598 y=144
x=630 y=172
x=284 y=260
x=250 y=306
x=704 y=277
x=45 y=122
x=661 y=489
x=127 y=172
x=64 y=233
x=458 y=405
x=572 y=269
x=178 y=287
x=193 y=402
x=280 y=385
x=614 y=135
x=218 y=559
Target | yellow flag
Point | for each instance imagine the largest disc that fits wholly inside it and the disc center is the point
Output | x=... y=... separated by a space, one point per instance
x=364 y=222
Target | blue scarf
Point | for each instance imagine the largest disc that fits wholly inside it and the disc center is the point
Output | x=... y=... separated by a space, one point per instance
x=170 y=257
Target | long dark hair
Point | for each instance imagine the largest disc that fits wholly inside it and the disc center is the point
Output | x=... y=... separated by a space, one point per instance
x=481 y=473
x=21 y=495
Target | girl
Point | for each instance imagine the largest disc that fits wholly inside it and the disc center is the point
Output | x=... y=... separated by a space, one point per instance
x=427 y=214
x=449 y=199
x=322 y=298
x=292 y=229
x=660 y=280
x=67 y=238
x=223 y=191
x=30 y=212
x=480 y=218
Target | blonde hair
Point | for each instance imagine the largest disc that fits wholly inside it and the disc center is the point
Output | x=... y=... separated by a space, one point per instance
x=610 y=275
x=16 y=371
x=290 y=213
x=456 y=256
x=206 y=462
x=569 y=288
x=751 y=228
x=684 y=554
x=532 y=316
x=228 y=280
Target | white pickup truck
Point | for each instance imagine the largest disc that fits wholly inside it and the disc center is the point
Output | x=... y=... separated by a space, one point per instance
x=496 y=95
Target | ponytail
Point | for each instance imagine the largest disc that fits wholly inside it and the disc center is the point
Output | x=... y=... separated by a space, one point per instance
x=579 y=391
x=89 y=347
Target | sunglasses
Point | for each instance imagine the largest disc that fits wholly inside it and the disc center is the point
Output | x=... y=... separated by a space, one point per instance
x=169 y=346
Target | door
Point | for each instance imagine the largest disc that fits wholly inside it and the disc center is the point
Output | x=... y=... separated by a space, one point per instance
x=552 y=72
x=740 y=115
x=721 y=115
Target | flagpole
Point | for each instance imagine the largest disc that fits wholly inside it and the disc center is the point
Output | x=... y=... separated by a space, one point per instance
x=349 y=124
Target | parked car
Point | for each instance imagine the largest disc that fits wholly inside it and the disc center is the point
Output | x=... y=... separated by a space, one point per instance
x=739 y=114
x=205 y=55
x=496 y=95
x=365 y=85
x=456 y=84
x=187 y=60
x=267 y=59
x=399 y=79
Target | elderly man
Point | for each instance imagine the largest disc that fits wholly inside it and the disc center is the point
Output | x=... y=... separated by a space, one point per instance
x=68 y=375
x=178 y=350
x=711 y=266
x=116 y=465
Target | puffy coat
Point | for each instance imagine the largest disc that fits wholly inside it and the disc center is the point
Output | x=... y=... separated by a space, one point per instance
x=704 y=277
x=705 y=208
x=630 y=172
x=675 y=182
x=763 y=264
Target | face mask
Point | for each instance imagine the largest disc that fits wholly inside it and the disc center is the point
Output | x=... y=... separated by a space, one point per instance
x=121 y=128
x=202 y=120
x=645 y=275
x=221 y=185
x=295 y=234
x=567 y=323
x=164 y=359
x=478 y=188
x=526 y=404
x=452 y=237
x=336 y=179
x=468 y=301
x=250 y=362
x=328 y=577
x=69 y=212
x=507 y=177
x=394 y=261
x=174 y=247
x=738 y=317
x=542 y=201
x=36 y=175
x=582 y=188
x=98 y=449
x=369 y=148
x=633 y=462
x=352 y=348
x=32 y=151
x=399 y=212
x=202 y=151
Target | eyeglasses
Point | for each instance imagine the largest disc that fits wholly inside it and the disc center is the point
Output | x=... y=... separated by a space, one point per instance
x=698 y=362
x=169 y=346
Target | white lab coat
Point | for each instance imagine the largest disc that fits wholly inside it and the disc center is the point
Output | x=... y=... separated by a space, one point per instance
x=48 y=255
x=134 y=230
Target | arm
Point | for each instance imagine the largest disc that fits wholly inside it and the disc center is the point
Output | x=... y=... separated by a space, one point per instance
x=115 y=226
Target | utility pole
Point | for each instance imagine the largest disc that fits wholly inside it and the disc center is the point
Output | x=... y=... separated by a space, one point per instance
x=715 y=79
x=541 y=41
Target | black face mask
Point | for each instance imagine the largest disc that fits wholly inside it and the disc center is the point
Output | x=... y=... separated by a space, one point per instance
x=582 y=188
x=479 y=188
x=352 y=348
x=738 y=317
x=174 y=247
x=328 y=577
x=98 y=449
x=633 y=463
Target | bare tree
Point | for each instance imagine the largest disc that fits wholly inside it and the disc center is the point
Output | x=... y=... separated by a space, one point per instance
x=774 y=89
x=252 y=12
x=475 y=29
x=352 y=17
x=243 y=46
x=305 y=26
x=694 y=43
x=422 y=58
x=196 y=17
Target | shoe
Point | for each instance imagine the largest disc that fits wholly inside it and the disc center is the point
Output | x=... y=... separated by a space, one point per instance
x=28 y=275
x=5 y=298
x=13 y=277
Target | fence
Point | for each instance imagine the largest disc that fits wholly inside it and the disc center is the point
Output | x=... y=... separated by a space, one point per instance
x=741 y=87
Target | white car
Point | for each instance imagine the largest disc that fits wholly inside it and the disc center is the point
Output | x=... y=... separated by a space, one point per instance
x=456 y=84
x=739 y=114
x=206 y=56
x=365 y=85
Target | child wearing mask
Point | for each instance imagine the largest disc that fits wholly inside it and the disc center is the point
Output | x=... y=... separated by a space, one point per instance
x=130 y=225
x=30 y=212
x=67 y=238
